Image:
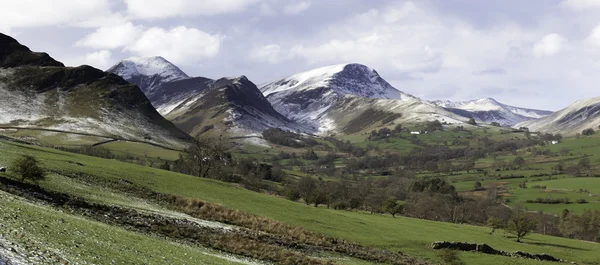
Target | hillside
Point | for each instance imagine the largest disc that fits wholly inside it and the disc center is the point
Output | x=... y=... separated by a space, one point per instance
x=488 y=110
x=39 y=92
x=320 y=98
x=575 y=118
x=196 y=104
x=127 y=186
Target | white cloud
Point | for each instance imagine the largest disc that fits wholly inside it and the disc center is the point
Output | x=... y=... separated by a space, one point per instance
x=180 y=45
x=580 y=5
x=594 y=38
x=35 y=13
x=100 y=59
x=549 y=45
x=173 y=8
x=296 y=8
x=269 y=53
x=111 y=37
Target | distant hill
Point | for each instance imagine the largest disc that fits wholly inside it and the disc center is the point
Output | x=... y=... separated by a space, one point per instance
x=575 y=118
x=489 y=110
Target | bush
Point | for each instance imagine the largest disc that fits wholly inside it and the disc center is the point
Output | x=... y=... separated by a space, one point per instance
x=450 y=257
x=588 y=132
x=28 y=167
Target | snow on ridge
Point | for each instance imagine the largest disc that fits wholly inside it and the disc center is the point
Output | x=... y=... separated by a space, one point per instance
x=344 y=79
x=150 y=66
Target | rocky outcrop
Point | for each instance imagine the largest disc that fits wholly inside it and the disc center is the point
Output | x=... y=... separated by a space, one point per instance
x=486 y=249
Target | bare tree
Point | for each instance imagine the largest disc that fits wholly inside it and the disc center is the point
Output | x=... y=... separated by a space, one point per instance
x=206 y=156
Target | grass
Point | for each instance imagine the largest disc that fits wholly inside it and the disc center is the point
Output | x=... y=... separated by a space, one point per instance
x=411 y=236
x=74 y=239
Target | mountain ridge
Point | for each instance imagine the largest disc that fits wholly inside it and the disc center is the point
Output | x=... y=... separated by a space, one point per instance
x=489 y=110
x=40 y=92
x=199 y=104
x=312 y=97
x=582 y=114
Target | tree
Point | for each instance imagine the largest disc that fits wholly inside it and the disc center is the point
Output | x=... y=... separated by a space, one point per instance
x=588 y=132
x=477 y=186
x=398 y=127
x=584 y=163
x=519 y=161
x=306 y=189
x=495 y=223
x=472 y=121
x=165 y=166
x=28 y=167
x=205 y=158
x=392 y=206
x=497 y=124
x=520 y=223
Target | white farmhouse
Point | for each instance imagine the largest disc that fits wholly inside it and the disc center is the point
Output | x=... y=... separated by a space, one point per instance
x=417 y=133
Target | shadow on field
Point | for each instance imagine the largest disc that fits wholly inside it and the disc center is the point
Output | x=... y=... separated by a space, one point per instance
x=553 y=245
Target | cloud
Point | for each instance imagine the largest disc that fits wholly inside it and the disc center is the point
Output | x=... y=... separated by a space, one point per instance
x=32 y=13
x=594 y=38
x=269 y=53
x=111 y=37
x=175 y=8
x=580 y=5
x=490 y=71
x=100 y=59
x=549 y=45
x=296 y=8
x=180 y=45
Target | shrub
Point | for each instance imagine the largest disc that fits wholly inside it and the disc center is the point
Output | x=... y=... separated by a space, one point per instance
x=450 y=257
x=588 y=132
x=28 y=167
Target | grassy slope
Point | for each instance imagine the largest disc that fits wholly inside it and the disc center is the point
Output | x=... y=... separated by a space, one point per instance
x=40 y=227
x=409 y=235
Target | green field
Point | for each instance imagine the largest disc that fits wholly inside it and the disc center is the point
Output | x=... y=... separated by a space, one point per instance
x=412 y=236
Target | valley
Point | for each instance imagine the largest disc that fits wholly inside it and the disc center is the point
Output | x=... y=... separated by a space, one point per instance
x=145 y=164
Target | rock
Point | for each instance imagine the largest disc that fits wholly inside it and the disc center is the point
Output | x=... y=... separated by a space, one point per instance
x=486 y=249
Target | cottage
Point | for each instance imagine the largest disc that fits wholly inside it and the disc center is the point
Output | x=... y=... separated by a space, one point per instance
x=554 y=142
x=416 y=133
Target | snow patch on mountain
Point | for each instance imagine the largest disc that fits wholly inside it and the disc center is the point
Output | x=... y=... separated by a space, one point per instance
x=150 y=66
x=575 y=118
x=489 y=110
x=343 y=79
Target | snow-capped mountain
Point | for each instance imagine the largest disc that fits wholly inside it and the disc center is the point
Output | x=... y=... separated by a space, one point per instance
x=39 y=92
x=148 y=73
x=342 y=79
x=315 y=98
x=575 y=118
x=197 y=104
x=489 y=110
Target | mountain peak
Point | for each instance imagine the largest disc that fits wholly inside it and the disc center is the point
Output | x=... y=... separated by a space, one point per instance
x=148 y=66
x=342 y=79
x=14 y=54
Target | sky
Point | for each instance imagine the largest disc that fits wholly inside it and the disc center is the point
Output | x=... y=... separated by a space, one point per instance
x=542 y=54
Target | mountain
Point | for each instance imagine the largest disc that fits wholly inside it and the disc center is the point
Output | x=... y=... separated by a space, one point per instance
x=148 y=73
x=38 y=91
x=489 y=110
x=198 y=104
x=573 y=119
x=348 y=98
